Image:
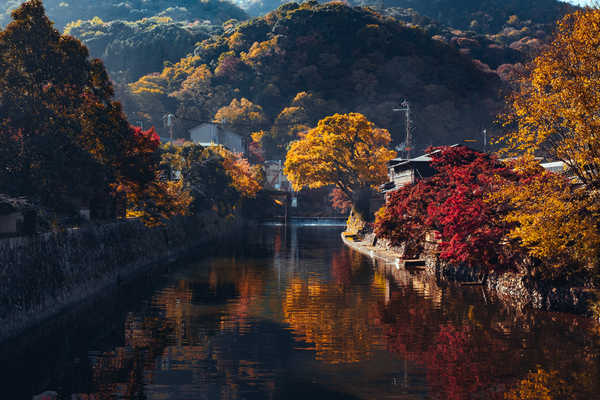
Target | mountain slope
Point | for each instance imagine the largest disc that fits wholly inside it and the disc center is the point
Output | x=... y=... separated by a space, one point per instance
x=64 y=11
x=302 y=62
x=132 y=49
x=488 y=16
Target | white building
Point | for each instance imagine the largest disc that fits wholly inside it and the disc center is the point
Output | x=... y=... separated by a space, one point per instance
x=214 y=134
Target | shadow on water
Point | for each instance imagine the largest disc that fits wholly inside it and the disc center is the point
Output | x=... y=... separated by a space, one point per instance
x=290 y=313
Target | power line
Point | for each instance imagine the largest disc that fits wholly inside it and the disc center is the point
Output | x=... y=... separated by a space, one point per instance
x=263 y=124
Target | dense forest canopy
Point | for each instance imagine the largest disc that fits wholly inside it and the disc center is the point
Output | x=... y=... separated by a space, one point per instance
x=64 y=11
x=132 y=49
x=301 y=62
x=487 y=15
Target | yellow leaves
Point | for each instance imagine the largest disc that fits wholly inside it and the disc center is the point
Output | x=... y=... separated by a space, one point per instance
x=171 y=77
x=556 y=109
x=555 y=113
x=149 y=84
x=246 y=178
x=259 y=50
x=236 y=41
x=158 y=201
x=257 y=136
x=555 y=221
x=242 y=115
x=344 y=149
x=540 y=385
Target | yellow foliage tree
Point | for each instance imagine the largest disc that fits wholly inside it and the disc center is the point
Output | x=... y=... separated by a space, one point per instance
x=159 y=201
x=242 y=115
x=556 y=221
x=541 y=385
x=246 y=178
x=556 y=112
x=345 y=150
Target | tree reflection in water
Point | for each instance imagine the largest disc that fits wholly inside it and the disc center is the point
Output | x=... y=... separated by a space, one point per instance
x=471 y=350
x=229 y=329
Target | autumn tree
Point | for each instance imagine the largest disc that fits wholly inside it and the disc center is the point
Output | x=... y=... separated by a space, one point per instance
x=241 y=115
x=292 y=122
x=245 y=178
x=555 y=112
x=541 y=385
x=56 y=107
x=345 y=150
x=454 y=205
x=72 y=141
x=553 y=219
x=215 y=177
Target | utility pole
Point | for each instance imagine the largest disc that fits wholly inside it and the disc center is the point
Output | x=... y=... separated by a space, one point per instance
x=484 y=140
x=168 y=121
x=405 y=106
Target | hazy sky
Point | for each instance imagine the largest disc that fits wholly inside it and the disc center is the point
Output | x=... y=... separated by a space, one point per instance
x=581 y=2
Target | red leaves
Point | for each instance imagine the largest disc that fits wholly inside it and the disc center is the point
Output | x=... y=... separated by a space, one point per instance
x=146 y=140
x=339 y=200
x=452 y=203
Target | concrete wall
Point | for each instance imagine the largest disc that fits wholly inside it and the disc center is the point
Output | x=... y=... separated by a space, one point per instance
x=41 y=275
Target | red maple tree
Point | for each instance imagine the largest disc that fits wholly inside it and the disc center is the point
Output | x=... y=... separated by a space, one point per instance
x=454 y=204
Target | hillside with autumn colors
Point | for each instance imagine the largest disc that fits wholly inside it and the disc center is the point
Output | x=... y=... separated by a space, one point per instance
x=283 y=72
x=487 y=15
x=64 y=12
x=130 y=49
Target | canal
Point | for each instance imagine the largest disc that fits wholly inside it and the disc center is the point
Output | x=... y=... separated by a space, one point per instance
x=290 y=313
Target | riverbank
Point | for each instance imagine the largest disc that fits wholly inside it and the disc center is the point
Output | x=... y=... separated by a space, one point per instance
x=44 y=275
x=516 y=290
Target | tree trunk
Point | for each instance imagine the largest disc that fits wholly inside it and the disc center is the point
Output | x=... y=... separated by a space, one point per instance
x=361 y=203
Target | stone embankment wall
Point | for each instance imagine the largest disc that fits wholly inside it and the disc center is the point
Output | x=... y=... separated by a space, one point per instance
x=518 y=290
x=41 y=275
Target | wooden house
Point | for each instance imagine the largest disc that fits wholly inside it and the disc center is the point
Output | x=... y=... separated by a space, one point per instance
x=403 y=172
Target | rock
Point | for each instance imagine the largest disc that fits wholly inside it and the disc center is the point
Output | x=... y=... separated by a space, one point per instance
x=81 y=396
x=47 y=395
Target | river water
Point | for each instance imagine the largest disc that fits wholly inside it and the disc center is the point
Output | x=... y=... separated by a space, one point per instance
x=293 y=314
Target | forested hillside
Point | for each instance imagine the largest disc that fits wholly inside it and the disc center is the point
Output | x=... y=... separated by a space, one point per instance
x=487 y=16
x=64 y=11
x=494 y=32
x=283 y=72
x=482 y=15
x=132 y=49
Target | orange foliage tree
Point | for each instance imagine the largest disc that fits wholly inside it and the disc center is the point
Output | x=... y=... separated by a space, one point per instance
x=345 y=150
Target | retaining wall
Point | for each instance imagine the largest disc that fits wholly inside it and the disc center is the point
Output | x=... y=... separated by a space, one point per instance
x=517 y=290
x=41 y=275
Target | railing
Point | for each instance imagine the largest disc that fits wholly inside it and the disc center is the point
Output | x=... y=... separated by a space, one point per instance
x=307 y=221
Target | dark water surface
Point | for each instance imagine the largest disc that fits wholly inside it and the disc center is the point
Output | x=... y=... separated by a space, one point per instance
x=293 y=314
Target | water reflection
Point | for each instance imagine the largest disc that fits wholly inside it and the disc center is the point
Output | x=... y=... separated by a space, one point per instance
x=293 y=314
